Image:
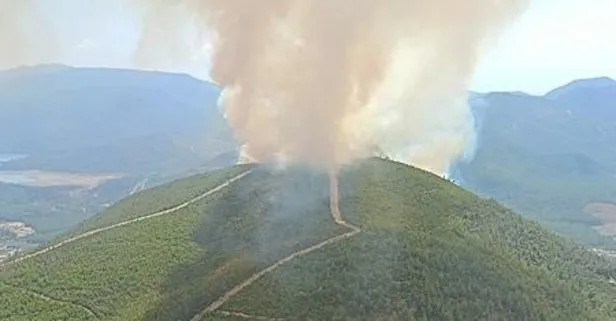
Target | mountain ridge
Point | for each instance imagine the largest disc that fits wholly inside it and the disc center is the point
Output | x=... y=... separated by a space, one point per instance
x=578 y=84
x=548 y=156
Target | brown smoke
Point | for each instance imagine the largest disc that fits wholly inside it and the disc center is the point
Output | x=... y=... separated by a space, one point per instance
x=323 y=82
x=12 y=32
x=318 y=81
x=26 y=35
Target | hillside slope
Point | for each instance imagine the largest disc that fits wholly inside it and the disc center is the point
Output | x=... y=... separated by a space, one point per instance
x=409 y=246
x=549 y=156
x=145 y=127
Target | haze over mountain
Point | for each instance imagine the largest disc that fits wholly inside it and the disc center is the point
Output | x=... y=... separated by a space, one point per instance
x=549 y=156
x=64 y=132
x=53 y=113
x=266 y=245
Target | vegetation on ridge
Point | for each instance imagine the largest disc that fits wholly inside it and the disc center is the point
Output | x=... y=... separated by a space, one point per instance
x=548 y=156
x=427 y=251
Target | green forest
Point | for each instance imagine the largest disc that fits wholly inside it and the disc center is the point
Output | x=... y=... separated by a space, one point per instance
x=427 y=250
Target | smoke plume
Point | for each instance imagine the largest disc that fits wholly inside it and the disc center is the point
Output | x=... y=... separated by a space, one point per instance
x=324 y=82
x=16 y=24
x=34 y=32
x=320 y=82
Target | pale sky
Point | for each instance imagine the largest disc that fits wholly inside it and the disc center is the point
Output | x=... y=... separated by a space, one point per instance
x=552 y=43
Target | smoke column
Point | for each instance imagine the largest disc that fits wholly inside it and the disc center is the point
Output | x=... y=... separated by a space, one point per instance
x=17 y=22
x=320 y=82
x=34 y=31
x=324 y=82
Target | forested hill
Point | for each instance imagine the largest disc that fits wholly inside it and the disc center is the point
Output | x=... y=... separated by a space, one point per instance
x=409 y=246
x=549 y=156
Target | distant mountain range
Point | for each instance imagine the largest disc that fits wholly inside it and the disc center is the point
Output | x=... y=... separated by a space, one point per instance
x=57 y=115
x=148 y=127
x=548 y=156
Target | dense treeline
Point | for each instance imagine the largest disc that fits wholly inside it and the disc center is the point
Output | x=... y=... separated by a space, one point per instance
x=553 y=188
x=435 y=252
x=427 y=251
x=27 y=306
x=159 y=198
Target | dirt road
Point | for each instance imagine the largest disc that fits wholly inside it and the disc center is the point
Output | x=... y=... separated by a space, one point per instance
x=338 y=219
x=128 y=222
x=45 y=298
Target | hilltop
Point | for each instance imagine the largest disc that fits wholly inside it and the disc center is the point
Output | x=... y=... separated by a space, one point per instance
x=409 y=246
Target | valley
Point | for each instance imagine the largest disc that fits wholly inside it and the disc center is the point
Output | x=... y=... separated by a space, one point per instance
x=548 y=156
x=37 y=178
x=70 y=151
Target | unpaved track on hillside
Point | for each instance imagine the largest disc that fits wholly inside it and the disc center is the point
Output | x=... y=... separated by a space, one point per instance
x=235 y=290
x=338 y=219
x=128 y=222
x=50 y=299
x=246 y=316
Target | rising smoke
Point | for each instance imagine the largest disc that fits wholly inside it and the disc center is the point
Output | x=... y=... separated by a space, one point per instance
x=324 y=82
x=18 y=20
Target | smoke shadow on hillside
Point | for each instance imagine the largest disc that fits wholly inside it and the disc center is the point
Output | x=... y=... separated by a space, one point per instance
x=264 y=217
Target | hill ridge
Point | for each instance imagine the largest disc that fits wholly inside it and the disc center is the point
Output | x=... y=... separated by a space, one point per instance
x=127 y=222
x=272 y=247
x=582 y=83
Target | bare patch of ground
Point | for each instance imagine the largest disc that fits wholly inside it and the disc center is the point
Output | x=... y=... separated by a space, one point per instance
x=35 y=178
x=606 y=213
x=17 y=229
x=124 y=223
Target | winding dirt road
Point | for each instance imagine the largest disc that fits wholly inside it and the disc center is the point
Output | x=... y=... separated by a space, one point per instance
x=247 y=316
x=50 y=299
x=338 y=219
x=334 y=210
x=128 y=222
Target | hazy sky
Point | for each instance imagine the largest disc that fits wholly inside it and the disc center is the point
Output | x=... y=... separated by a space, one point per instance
x=554 y=42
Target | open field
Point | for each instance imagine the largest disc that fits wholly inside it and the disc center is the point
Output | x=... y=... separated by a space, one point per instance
x=606 y=213
x=36 y=178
